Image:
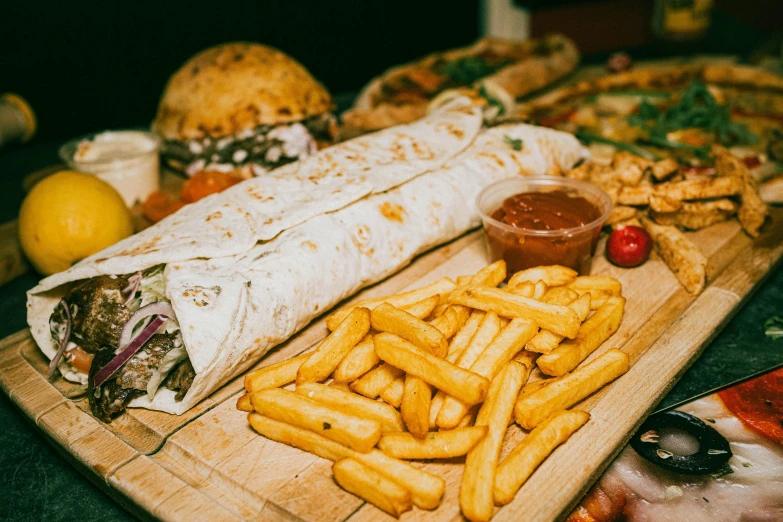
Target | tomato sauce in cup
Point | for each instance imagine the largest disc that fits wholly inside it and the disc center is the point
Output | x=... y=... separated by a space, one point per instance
x=543 y=221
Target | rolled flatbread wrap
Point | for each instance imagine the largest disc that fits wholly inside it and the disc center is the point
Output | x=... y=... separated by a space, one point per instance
x=344 y=219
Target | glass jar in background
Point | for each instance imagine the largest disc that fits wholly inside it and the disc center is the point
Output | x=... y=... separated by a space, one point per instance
x=17 y=119
x=682 y=20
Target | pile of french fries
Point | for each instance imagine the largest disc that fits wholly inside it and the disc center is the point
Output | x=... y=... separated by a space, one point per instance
x=664 y=199
x=441 y=372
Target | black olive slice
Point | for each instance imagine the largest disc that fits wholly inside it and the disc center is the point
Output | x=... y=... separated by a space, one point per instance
x=713 y=454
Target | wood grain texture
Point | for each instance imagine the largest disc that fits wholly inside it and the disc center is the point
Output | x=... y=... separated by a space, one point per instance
x=210 y=464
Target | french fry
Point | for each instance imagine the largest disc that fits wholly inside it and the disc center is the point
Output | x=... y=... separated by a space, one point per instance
x=426 y=489
x=456 y=381
x=531 y=410
x=486 y=332
x=476 y=489
x=584 y=284
x=491 y=275
x=502 y=349
x=368 y=484
x=387 y=318
x=555 y=318
x=244 y=404
x=402 y=300
x=560 y=295
x=592 y=334
x=525 y=289
x=415 y=406
x=438 y=311
x=546 y=341
x=334 y=385
x=435 y=405
x=274 y=375
x=539 y=290
x=372 y=383
x=554 y=275
x=499 y=352
x=598 y=298
x=461 y=339
x=354 y=404
x=517 y=467
x=534 y=386
x=360 y=360
x=423 y=308
x=335 y=347
x=436 y=445
x=470 y=419
x=392 y=394
x=451 y=320
x=358 y=433
x=463 y=280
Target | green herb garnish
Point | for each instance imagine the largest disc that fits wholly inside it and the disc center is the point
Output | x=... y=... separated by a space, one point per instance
x=589 y=137
x=696 y=109
x=465 y=71
x=514 y=144
x=773 y=327
x=491 y=100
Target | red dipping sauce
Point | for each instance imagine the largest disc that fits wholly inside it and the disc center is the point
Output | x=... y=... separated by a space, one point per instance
x=552 y=221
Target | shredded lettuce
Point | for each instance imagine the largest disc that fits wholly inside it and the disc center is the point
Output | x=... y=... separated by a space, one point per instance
x=169 y=361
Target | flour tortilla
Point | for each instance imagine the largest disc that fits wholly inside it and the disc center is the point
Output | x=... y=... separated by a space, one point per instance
x=235 y=307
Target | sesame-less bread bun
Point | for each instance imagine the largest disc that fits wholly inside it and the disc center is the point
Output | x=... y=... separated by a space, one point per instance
x=236 y=87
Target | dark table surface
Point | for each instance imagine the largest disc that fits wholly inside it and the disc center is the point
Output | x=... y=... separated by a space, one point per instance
x=38 y=484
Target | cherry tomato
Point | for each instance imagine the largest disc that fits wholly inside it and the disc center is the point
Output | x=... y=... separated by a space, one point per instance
x=159 y=205
x=629 y=246
x=205 y=183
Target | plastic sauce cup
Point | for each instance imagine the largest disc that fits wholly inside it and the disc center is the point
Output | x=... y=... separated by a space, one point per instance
x=523 y=248
x=125 y=159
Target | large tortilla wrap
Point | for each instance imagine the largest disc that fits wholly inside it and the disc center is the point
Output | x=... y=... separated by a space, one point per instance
x=242 y=287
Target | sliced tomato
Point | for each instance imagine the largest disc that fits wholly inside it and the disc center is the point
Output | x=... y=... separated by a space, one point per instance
x=79 y=359
x=558 y=118
x=159 y=205
x=205 y=183
x=758 y=403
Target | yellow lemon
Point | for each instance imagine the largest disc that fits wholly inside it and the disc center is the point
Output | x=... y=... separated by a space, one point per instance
x=69 y=216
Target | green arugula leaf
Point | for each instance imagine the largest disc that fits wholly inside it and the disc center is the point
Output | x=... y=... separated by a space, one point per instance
x=773 y=327
x=696 y=109
x=514 y=144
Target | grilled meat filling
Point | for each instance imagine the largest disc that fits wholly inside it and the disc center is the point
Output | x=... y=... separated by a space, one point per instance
x=98 y=312
x=180 y=379
x=138 y=370
x=111 y=399
x=98 y=315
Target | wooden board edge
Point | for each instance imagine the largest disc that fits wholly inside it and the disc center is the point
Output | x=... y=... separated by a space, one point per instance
x=723 y=284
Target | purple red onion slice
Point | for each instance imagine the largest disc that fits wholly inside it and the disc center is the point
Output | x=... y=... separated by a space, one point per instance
x=133 y=285
x=128 y=351
x=161 y=308
x=63 y=340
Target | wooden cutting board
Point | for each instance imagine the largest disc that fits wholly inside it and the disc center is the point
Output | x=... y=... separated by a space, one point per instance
x=209 y=464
